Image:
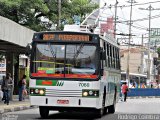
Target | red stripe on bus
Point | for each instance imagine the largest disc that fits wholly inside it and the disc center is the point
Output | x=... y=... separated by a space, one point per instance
x=62 y=75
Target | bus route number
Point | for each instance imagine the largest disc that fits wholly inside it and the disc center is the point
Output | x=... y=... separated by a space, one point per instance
x=83 y=84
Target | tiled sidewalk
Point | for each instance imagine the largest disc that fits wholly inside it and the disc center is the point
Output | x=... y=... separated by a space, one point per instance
x=15 y=105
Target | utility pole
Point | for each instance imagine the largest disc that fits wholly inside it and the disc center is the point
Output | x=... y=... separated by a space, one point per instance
x=150 y=8
x=128 y=58
x=155 y=47
x=115 y=20
x=59 y=14
x=141 y=70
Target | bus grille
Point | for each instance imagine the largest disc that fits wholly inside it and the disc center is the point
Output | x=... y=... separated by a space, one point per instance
x=63 y=93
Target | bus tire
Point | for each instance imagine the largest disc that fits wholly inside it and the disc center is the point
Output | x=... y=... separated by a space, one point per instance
x=44 y=112
x=100 y=112
x=111 y=109
x=104 y=100
x=103 y=110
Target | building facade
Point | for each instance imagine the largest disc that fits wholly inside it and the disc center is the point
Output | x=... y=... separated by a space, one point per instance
x=138 y=61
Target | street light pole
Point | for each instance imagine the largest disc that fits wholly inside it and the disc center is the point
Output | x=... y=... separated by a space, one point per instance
x=115 y=20
x=128 y=58
x=149 y=39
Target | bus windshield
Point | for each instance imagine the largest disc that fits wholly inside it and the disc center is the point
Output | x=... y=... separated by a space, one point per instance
x=65 y=61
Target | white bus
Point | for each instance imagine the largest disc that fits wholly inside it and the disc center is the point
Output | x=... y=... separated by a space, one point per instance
x=74 y=71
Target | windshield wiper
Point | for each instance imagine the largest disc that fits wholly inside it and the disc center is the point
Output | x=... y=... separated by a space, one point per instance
x=52 y=52
x=78 y=51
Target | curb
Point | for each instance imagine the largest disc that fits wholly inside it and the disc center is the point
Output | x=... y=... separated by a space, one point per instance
x=19 y=108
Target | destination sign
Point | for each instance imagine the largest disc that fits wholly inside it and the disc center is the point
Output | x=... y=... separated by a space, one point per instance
x=48 y=36
x=66 y=37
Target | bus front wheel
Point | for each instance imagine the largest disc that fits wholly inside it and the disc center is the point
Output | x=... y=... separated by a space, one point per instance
x=111 y=109
x=102 y=111
x=44 y=112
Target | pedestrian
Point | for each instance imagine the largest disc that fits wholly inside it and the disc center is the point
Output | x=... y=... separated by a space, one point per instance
x=143 y=85
x=7 y=86
x=22 y=88
x=24 y=85
x=133 y=85
x=157 y=86
x=124 y=91
x=121 y=96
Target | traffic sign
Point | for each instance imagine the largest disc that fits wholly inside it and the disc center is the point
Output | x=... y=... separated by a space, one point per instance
x=155 y=36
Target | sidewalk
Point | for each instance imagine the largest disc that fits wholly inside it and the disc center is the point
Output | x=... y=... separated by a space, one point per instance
x=15 y=105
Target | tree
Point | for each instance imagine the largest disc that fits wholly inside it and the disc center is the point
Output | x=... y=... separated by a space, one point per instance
x=158 y=51
x=69 y=9
x=39 y=15
x=24 y=12
x=82 y=8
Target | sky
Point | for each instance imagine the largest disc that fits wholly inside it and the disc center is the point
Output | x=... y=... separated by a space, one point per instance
x=140 y=25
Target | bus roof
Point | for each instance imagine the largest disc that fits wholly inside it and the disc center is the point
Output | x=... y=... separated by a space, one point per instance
x=111 y=41
x=67 y=32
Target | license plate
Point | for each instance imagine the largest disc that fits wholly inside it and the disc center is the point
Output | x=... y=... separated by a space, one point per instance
x=63 y=101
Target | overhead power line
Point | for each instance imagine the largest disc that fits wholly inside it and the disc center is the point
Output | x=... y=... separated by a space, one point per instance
x=122 y=6
x=142 y=19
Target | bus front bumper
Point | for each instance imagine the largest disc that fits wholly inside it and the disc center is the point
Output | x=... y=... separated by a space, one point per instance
x=65 y=102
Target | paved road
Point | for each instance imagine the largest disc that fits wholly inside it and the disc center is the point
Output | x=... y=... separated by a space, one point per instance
x=133 y=109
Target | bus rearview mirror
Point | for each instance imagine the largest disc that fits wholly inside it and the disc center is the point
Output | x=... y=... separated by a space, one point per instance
x=28 y=50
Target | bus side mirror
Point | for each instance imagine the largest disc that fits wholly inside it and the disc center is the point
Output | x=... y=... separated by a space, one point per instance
x=28 y=50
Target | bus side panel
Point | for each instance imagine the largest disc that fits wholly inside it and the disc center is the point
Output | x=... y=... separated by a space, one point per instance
x=111 y=81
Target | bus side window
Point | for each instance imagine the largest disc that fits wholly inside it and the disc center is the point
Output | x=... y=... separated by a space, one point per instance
x=111 y=56
x=108 y=49
x=104 y=49
x=109 y=61
x=105 y=61
x=114 y=60
x=107 y=55
x=118 y=57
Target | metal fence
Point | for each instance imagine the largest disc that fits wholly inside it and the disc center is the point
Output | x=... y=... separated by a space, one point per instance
x=144 y=92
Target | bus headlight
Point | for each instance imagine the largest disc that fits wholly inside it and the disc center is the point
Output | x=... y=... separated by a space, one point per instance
x=41 y=92
x=37 y=91
x=85 y=93
x=90 y=93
